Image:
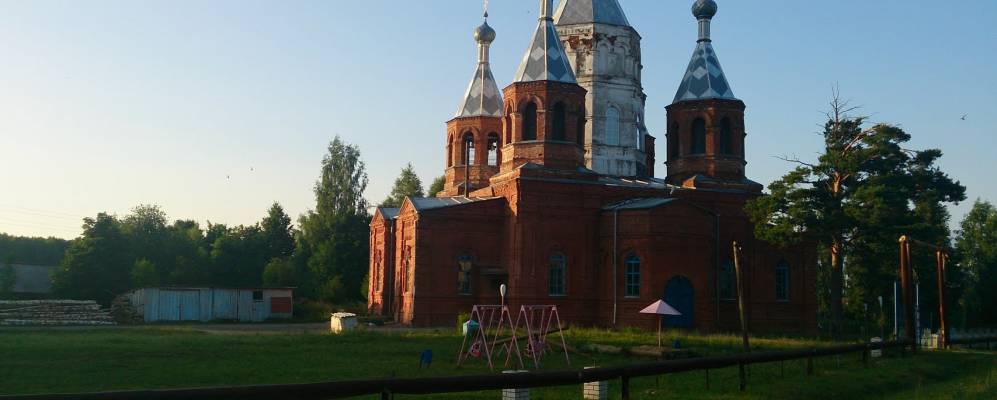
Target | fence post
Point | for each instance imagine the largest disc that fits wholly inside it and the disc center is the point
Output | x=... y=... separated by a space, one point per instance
x=865 y=356
x=626 y=387
x=707 y=379
x=810 y=365
x=386 y=394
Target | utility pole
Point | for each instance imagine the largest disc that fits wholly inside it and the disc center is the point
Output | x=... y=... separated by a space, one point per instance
x=739 y=272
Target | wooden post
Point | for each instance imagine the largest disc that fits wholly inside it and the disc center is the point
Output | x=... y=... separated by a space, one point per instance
x=707 y=379
x=943 y=335
x=626 y=387
x=386 y=394
x=810 y=365
x=740 y=308
x=865 y=356
x=906 y=285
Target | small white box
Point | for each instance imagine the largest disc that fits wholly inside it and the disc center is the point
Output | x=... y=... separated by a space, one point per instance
x=342 y=322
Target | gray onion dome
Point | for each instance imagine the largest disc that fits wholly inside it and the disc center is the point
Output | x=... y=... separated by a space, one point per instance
x=704 y=9
x=484 y=34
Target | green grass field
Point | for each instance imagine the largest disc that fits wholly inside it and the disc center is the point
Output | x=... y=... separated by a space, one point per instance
x=51 y=361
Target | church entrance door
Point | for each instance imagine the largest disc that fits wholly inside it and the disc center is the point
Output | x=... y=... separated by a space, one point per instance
x=679 y=294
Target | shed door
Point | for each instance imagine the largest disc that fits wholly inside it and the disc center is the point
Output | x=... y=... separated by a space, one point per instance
x=190 y=305
x=169 y=306
x=679 y=294
x=260 y=311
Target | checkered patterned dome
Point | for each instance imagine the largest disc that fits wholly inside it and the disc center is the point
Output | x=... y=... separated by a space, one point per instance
x=482 y=98
x=545 y=60
x=571 y=12
x=704 y=79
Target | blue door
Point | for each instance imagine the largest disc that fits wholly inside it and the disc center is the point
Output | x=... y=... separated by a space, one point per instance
x=679 y=294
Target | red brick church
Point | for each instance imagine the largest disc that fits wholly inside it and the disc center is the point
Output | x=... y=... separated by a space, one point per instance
x=550 y=189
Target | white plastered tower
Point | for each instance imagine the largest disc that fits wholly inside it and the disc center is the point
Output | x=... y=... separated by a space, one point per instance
x=604 y=51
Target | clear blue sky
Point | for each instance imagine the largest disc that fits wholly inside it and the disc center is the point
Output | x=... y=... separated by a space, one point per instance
x=105 y=105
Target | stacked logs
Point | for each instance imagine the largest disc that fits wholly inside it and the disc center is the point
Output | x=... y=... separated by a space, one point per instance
x=53 y=313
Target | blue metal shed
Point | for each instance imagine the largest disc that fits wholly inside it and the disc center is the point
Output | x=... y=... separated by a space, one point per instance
x=175 y=304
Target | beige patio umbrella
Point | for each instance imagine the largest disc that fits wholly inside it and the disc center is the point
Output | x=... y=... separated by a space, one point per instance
x=660 y=308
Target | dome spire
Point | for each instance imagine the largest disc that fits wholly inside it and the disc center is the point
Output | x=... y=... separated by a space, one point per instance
x=482 y=98
x=704 y=11
x=545 y=59
x=704 y=79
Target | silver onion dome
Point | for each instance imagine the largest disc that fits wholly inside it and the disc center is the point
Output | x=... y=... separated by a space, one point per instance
x=704 y=9
x=484 y=34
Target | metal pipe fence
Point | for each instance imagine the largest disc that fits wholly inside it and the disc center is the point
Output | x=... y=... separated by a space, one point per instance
x=472 y=383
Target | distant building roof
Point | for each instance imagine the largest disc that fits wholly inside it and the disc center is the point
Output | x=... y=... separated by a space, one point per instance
x=431 y=203
x=571 y=12
x=33 y=279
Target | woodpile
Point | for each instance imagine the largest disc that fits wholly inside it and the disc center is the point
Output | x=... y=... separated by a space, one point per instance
x=53 y=313
x=124 y=312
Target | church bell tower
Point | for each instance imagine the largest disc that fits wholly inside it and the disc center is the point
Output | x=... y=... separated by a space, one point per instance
x=473 y=139
x=705 y=121
x=544 y=120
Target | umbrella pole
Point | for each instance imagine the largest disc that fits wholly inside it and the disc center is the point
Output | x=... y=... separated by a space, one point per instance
x=659 y=331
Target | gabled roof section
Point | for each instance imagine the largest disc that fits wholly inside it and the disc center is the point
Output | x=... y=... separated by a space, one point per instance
x=388 y=212
x=639 y=204
x=572 y=12
x=432 y=203
x=482 y=98
x=545 y=59
x=704 y=79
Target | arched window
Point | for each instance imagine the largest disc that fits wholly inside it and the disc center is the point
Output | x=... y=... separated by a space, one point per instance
x=698 y=136
x=726 y=145
x=728 y=282
x=674 y=142
x=468 y=155
x=559 y=123
x=493 y=144
x=782 y=281
x=631 y=277
x=464 y=264
x=612 y=126
x=638 y=136
x=557 y=282
x=530 y=121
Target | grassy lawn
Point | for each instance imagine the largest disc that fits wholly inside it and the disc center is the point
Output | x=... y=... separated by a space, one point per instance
x=47 y=361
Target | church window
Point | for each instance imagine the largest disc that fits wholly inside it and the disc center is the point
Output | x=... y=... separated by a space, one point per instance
x=558 y=124
x=728 y=282
x=557 y=276
x=468 y=148
x=493 y=143
x=612 y=126
x=698 y=136
x=530 y=121
x=464 y=264
x=639 y=137
x=726 y=146
x=782 y=281
x=631 y=276
x=675 y=142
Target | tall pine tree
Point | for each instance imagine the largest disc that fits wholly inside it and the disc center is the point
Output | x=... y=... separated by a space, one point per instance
x=407 y=185
x=855 y=200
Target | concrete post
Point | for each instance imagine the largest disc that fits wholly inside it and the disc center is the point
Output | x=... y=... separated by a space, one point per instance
x=595 y=390
x=515 y=394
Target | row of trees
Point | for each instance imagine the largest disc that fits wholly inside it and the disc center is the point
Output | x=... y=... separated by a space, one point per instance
x=143 y=249
x=326 y=257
